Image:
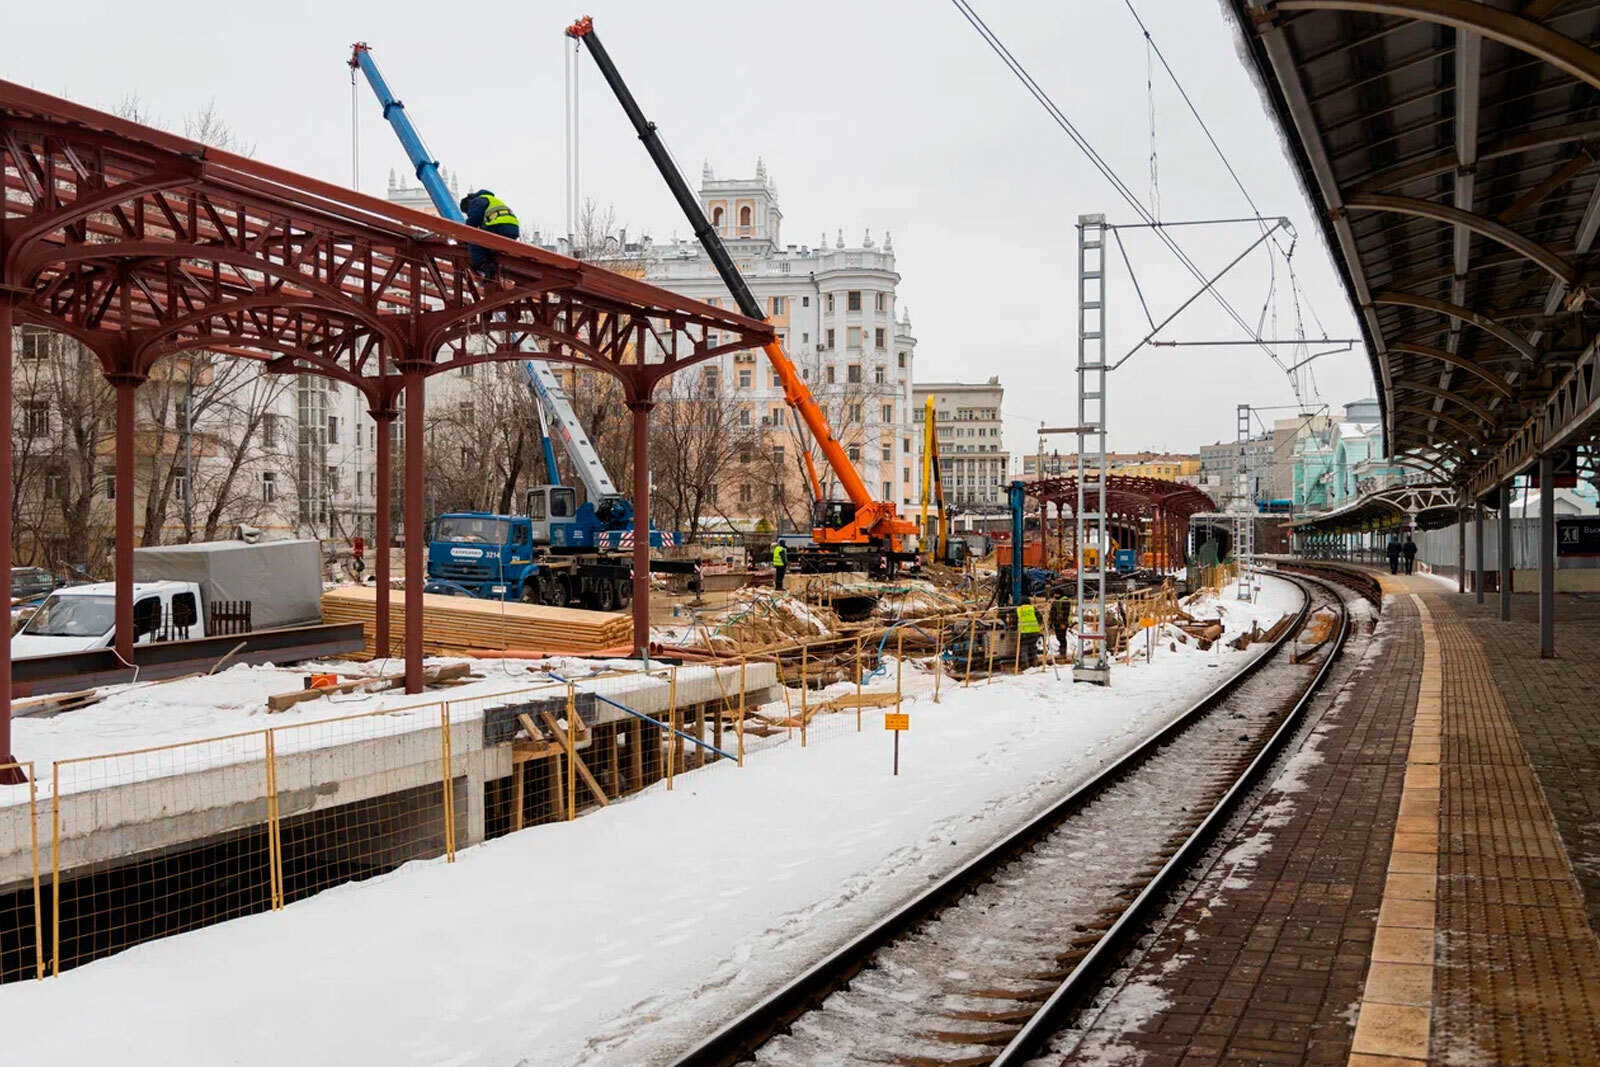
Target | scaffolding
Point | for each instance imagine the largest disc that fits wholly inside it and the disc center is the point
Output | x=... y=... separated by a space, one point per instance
x=1244 y=504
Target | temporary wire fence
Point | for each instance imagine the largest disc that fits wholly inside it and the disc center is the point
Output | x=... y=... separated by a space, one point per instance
x=132 y=846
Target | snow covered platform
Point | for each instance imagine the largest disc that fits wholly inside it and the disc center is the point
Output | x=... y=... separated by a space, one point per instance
x=675 y=910
x=193 y=770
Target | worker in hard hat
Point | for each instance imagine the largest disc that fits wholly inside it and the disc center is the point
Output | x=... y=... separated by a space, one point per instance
x=485 y=211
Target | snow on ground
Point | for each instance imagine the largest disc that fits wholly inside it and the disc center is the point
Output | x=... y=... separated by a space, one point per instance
x=623 y=936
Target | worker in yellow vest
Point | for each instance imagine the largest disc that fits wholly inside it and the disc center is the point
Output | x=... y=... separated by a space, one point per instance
x=485 y=211
x=1028 y=629
x=780 y=563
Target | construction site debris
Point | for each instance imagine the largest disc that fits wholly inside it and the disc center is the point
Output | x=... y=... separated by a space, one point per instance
x=446 y=674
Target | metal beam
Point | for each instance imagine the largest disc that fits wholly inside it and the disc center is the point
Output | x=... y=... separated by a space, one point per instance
x=1444 y=394
x=1456 y=311
x=1494 y=381
x=1525 y=35
x=1449 y=420
x=1554 y=135
x=1495 y=231
x=1569 y=409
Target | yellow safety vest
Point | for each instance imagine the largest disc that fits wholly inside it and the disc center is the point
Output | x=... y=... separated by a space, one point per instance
x=1027 y=619
x=778 y=554
x=498 y=212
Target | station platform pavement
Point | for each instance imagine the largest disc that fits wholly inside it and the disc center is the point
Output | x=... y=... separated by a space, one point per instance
x=1422 y=885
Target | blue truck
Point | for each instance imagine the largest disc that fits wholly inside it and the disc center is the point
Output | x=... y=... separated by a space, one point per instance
x=561 y=553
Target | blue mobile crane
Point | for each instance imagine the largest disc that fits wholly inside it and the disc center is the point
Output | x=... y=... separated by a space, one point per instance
x=558 y=551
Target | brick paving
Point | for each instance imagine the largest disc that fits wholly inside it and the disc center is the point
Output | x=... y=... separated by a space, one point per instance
x=1265 y=962
x=1555 y=705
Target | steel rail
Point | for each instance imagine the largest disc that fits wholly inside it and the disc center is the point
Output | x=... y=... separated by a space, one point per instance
x=1090 y=973
x=738 y=1041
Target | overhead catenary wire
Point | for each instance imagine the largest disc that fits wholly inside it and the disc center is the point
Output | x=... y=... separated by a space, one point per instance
x=1099 y=163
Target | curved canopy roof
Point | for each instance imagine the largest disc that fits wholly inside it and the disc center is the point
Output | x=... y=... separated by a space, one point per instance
x=141 y=244
x=1451 y=147
x=1127 y=496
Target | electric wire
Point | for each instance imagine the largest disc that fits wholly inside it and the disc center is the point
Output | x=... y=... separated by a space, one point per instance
x=1099 y=163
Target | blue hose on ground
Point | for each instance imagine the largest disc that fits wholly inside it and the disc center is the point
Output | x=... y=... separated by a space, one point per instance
x=882 y=667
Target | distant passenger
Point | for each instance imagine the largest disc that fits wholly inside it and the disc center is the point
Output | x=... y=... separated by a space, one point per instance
x=1394 y=555
x=1410 y=551
x=485 y=211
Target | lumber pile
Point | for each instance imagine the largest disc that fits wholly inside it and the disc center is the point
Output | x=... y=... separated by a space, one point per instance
x=454 y=624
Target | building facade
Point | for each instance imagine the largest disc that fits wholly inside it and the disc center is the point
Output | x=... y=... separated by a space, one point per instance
x=973 y=461
x=837 y=314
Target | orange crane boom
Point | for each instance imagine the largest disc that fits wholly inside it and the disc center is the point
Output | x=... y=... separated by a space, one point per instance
x=860 y=522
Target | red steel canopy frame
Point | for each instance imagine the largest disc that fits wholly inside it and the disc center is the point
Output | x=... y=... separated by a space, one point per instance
x=1130 y=498
x=140 y=244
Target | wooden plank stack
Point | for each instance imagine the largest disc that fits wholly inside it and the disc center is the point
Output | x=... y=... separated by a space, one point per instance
x=455 y=624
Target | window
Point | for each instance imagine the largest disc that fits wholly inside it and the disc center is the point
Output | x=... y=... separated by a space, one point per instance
x=110 y=481
x=878 y=373
x=713 y=493
x=828 y=374
x=333 y=429
x=744 y=416
x=830 y=303
x=269 y=431
x=468 y=411
x=716 y=217
x=35 y=345
x=269 y=487
x=854 y=452
x=466 y=372
x=744 y=379
x=333 y=479
x=887 y=452
x=886 y=488
x=519 y=534
x=372 y=482
x=853 y=372
x=777 y=416
x=36 y=418
x=180 y=486
x=780 y=306
x=853 y=336
x=744 y=215
x=855 y=413
x=708 y=378
x=830 y=338
x=805 y=301
x=883 y=301
x=805 y=338
x=184 y=613
x=853 y=298
x=905 y=445
x=745 y=494
x=777 y=382
x=905 y=475
x=744 y=454
x=146 y=616
x=777 y=454
x=902 y=361
x=877 y=338
x=887 y=413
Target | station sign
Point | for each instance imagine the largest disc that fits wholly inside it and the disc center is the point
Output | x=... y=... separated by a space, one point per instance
x=1565 y=463
x=1578 y=537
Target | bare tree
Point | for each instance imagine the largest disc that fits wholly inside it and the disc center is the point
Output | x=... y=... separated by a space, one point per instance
x=696 y=433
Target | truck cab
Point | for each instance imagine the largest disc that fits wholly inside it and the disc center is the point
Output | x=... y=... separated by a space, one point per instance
x=82 y=617
x=481 y=554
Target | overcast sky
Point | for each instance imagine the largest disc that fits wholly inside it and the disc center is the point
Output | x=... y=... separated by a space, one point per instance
x=880 y=116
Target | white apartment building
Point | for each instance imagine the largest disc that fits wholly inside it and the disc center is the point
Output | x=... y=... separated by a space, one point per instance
x=973 y=461
x=836 y=312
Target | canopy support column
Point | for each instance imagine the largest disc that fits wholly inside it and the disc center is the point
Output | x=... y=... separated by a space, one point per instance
x=416 y=537
x=126 y=387
x=1477 y=548
x=9 y=775
x=382 y=523
x=641 y=526
x=1505 y=548
x=1547 y=556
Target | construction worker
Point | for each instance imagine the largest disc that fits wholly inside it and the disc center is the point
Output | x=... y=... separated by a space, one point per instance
x=1028 y=628
x=1060 y=620
x=485 y=211
x=780 y=563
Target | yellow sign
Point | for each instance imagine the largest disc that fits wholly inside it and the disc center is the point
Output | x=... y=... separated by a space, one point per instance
x=892 y=721
x=1146 y=622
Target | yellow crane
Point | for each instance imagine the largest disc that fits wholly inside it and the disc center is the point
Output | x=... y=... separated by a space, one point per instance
x=939 y=544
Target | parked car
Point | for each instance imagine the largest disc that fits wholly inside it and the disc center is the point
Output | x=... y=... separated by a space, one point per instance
x=30 y=582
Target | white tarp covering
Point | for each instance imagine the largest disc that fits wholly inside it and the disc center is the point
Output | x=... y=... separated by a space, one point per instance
x=281 y=579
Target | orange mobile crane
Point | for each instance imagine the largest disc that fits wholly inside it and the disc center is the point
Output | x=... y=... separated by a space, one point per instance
x=843 y=530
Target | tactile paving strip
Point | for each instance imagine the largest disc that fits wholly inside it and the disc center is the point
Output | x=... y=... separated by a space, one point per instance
x=1517 y=970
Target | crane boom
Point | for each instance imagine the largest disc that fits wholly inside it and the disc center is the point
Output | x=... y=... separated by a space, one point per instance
x=541 y=379
x=872 y=520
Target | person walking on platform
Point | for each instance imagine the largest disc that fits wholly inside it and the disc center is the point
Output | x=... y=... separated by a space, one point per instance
x=485 y=211
x=780 y=563
x=1394 y=555
x=1410 y=552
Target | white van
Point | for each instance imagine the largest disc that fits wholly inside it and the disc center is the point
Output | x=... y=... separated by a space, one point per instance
x=83 y=617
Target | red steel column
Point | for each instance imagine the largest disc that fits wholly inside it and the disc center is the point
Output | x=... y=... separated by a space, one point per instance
x=416 y=539
x=127 y=388
x=12 y=776
x=383 y=515
x=641 y=525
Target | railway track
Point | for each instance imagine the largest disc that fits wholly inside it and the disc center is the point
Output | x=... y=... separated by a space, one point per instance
x=987 y=964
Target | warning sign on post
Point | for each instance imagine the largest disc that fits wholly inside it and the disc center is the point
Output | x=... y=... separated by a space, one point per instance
x=893 y=721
